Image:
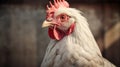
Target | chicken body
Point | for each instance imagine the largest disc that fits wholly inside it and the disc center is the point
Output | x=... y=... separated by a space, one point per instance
x=78 y=49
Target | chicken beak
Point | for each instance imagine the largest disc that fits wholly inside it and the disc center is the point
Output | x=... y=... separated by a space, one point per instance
x=46 y=24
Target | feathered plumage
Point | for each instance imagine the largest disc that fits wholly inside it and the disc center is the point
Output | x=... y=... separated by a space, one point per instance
x=78 y=49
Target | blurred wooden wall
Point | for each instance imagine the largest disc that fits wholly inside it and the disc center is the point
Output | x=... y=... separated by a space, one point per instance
x=23 y=42
x=23 y=45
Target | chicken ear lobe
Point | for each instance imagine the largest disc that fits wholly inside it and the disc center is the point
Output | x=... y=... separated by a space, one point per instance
x=71 y=29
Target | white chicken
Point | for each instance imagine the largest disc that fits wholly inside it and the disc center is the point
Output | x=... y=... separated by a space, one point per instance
x=72 y=43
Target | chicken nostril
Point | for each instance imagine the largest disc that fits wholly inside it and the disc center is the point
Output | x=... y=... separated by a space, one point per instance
x=49 y=19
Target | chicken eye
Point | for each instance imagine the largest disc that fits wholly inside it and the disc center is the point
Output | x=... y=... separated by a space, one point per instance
x=64 y=17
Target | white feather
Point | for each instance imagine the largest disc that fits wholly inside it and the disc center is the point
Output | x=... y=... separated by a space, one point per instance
x=78 y=49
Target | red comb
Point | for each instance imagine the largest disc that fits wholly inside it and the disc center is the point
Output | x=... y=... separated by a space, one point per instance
x=57 y=3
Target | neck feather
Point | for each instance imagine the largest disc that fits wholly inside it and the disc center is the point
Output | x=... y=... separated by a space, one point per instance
x=83 y=36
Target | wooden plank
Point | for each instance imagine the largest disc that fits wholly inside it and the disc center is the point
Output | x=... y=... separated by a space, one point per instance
x=112 y=35
x=23 y=38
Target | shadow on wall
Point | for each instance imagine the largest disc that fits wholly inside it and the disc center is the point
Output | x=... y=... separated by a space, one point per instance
x=112 y=53
x=4 y=36
x=19 y=2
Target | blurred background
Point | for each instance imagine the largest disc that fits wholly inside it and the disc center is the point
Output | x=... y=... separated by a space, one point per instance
x=23 y=42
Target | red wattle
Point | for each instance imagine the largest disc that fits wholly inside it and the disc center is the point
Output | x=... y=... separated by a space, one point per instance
x=58 y=34
x=50 y=32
